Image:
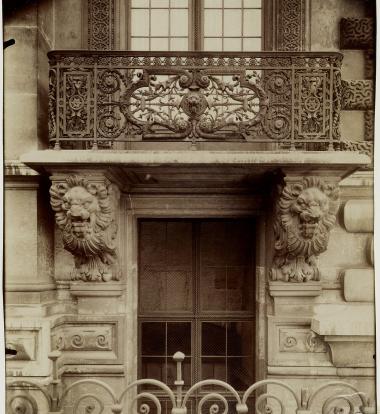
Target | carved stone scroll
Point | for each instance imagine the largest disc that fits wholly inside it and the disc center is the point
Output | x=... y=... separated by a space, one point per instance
x=357 y=33
x=357 y=95
x=85 y=213
x=305 y=213
x=101 y=24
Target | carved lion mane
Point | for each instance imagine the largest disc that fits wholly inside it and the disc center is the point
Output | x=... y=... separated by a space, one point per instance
x=305 y=215
x=84 y=213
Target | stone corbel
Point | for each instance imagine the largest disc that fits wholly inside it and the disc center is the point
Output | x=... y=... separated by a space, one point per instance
x=305 y=212
x=85 y=209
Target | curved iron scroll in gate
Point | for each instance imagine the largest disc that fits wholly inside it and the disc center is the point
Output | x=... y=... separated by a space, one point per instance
x=182 y=104
x=289 y=99
x=95 y=396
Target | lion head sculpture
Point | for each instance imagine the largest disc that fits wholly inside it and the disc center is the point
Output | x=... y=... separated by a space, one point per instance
x=305 y=215
x=85 y=214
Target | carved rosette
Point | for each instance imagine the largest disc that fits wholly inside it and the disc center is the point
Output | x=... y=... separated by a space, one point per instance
x=85 y=213
x=305 y=214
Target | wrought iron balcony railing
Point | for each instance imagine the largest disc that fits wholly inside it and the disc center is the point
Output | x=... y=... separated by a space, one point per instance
x=288 y=100
x=97 y=397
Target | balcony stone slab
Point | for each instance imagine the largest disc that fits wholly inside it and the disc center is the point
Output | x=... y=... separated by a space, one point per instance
x=220 y=165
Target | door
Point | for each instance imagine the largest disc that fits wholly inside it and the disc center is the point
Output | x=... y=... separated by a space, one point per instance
x=196 y=295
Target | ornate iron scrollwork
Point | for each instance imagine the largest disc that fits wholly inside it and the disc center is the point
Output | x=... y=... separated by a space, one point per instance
x=182 y=104
x=100 y=98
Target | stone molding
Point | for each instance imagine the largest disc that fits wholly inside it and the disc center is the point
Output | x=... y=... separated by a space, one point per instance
x=357 y=33
x=284 y=289
x=85 y=211
x=85 y=290
x=291 y=24
x=357 y=95
x=101 y=24
x=305 y=212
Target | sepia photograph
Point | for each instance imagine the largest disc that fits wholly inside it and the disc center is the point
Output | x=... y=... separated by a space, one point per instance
x=189 y=206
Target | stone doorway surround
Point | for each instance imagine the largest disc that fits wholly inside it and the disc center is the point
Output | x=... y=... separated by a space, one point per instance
x=127 y=186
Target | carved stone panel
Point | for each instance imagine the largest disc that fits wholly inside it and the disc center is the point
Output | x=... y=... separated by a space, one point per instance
x=300 y=340
x=357 y=95
x=357 y=33
x=292 y=343
x=101 y=24
x=31 y=339
x=24 y=342
x=369 y=125
x=290 y=25
x=88 y=340
x=304 y=215
x=85 y=210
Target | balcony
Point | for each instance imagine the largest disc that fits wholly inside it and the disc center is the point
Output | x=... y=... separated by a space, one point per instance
x=270 y=100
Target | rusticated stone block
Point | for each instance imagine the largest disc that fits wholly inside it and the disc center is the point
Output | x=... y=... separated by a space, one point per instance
x=359 y=285
x=357 y=95
x=357 y=33
x=358 y=216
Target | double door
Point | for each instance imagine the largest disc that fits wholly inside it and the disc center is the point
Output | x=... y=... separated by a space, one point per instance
x=196 y=295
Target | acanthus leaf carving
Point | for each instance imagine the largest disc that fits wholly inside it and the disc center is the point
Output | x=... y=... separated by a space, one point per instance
x=305 y=214
x=85 y=213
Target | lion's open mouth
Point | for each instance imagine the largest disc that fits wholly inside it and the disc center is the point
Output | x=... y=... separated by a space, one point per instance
x=308 y=228
x=81 y=227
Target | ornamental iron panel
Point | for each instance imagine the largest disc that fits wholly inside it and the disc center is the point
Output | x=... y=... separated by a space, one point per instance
x=290 y=99
x=211 y=396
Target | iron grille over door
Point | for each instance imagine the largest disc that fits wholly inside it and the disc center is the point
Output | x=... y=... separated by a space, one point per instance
x=196 y=295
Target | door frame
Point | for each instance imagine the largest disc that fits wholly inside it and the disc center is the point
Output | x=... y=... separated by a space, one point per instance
x=178 y=206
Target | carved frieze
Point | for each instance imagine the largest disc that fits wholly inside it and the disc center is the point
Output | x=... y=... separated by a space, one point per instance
x=85 y=213
x=84 y=338
x=290 y=25
x=101 y=24
x=305 y=214
x=300 y=341
x=357 y=33
x=357 y=95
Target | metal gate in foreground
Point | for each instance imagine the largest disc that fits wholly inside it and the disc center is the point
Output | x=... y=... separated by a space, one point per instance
x=92 y=396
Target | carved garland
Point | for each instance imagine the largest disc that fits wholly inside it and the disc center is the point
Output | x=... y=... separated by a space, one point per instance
x=304 y=217
x=85 y=213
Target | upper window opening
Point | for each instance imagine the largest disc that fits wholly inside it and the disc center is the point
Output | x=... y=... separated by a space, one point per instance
x=180 y=25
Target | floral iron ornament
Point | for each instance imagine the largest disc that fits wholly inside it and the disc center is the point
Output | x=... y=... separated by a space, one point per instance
x=84 y=212
x=305 y=214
